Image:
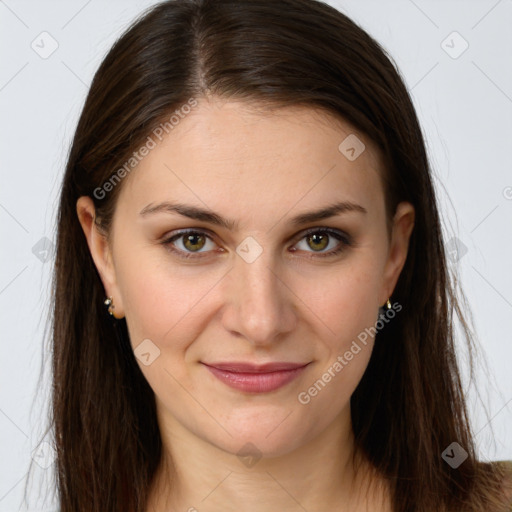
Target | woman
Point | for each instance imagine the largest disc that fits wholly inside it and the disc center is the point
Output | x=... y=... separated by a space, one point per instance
x=304 y=358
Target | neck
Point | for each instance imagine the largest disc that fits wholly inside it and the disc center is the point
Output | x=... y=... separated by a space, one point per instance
x=320 y=475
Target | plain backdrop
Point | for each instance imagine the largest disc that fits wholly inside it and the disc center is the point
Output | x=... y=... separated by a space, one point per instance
x=455 y=57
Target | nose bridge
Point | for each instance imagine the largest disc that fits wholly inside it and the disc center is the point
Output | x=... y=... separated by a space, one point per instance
x=260 y=308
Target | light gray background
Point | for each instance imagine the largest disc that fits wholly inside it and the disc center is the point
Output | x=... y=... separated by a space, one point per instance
x=465 y=107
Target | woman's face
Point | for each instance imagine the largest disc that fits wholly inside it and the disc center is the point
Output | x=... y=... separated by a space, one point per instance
x=249 y=284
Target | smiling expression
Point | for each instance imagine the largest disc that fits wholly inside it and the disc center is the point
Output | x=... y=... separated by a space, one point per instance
x=250 y=237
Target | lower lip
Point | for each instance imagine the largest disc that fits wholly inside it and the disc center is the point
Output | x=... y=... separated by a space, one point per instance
x=256 y=382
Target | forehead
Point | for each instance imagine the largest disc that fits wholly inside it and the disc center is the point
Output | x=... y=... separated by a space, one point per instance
x=235 y=155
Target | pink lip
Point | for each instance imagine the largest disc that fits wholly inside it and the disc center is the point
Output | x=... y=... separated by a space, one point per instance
x=256 y=378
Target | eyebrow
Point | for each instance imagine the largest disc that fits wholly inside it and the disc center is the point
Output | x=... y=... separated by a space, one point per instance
x=201 y=214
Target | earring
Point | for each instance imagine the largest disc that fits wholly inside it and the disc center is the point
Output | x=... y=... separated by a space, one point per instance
x=110 y=303
x=388 y=304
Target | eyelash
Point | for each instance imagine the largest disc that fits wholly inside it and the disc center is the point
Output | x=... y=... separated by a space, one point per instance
x=344 y=239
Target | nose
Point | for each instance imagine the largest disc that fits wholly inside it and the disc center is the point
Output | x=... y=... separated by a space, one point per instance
x=259 y=305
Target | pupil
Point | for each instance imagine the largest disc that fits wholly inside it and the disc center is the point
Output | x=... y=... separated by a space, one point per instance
x=190 y=240
x=319 y=239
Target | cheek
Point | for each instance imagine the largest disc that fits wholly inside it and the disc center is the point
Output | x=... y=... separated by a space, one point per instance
x=168 y=308
x=168 y=303
x=346 y=301
x=347 y=305
x=163 y=302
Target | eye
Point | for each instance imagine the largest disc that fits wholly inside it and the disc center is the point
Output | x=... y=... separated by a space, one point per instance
x=320 y=239
x=187 y=243
x=192 y=244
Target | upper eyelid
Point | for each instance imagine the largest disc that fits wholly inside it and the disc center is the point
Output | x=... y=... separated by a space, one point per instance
x=298 y=237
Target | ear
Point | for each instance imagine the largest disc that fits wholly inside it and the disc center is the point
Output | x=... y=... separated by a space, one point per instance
x=101 y=252
x=403 y=223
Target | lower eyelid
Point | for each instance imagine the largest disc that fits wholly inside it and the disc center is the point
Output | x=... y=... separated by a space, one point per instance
x=174 y=238
x=343 y=239
x=332 y=236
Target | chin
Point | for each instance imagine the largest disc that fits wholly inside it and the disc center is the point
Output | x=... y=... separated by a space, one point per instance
x=251 y=447
x=269 y=435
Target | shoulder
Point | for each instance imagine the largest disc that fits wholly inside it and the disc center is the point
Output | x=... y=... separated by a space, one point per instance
x=506 y=484
x=493 y=480
x=505 y=466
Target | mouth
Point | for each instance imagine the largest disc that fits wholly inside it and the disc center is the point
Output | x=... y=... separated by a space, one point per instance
x=256 y=378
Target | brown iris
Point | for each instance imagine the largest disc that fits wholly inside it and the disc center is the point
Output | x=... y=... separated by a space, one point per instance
x=320 y=240
x=194 y=241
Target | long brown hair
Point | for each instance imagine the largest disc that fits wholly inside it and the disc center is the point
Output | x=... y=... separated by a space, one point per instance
x=409 y=406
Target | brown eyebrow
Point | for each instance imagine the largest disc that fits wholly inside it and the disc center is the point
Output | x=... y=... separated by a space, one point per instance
x=201 y=214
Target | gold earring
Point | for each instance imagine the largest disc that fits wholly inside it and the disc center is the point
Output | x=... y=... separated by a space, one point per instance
x=388 y=304
x=110 y=303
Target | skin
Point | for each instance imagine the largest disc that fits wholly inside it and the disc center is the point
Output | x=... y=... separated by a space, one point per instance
x=290 y=304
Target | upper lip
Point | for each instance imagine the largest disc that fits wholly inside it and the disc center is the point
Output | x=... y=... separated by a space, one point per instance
x=243 y=367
